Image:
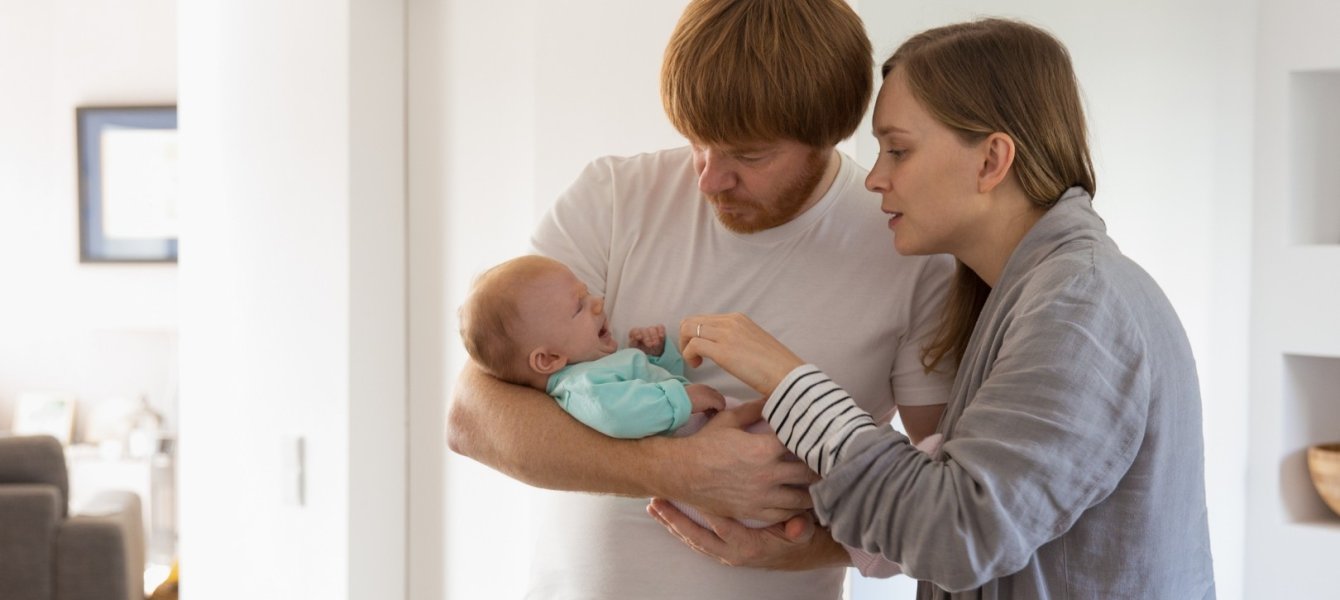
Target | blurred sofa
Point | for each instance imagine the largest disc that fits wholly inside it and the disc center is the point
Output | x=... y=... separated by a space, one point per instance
x=48 y=554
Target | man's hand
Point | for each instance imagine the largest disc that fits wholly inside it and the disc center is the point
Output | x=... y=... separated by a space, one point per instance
x=650 y=340
x=792 y=545
x=704 y=398
x=726 y=470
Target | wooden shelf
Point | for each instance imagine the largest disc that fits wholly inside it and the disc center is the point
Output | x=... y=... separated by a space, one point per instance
x=1312 y=416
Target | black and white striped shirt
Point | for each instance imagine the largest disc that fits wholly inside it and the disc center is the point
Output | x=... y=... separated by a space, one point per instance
x=814 y=417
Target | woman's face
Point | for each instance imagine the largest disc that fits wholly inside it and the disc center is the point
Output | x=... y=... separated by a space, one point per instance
x=927 y=175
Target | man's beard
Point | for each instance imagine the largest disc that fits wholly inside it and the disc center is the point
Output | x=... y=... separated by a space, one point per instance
x=790 y=200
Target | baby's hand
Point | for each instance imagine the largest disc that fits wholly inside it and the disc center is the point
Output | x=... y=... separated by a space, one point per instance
x=704 y=398
x=648 y=339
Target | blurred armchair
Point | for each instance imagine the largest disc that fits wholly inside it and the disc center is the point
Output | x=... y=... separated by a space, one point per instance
x=46 y=554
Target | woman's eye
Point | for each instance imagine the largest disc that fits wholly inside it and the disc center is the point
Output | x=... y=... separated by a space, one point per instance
x=897 y=154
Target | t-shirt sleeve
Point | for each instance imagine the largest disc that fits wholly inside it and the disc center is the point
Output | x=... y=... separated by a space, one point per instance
x=911 y=385
x=577 y=230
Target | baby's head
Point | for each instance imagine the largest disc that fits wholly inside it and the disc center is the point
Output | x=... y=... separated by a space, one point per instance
x=529 y=317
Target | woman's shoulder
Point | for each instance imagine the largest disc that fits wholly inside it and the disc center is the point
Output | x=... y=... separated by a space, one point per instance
x=1093 y=274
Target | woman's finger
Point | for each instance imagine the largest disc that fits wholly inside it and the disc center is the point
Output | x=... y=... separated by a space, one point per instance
x=697 y=349
x=738 y=345
x=688 y=329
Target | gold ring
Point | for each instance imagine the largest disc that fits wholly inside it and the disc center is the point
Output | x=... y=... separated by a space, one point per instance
x=699 y=333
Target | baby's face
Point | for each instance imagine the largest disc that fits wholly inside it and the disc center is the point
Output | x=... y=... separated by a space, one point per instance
x=561 y=315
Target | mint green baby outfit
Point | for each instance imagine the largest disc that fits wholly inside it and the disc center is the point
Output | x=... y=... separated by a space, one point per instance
x=626 y=394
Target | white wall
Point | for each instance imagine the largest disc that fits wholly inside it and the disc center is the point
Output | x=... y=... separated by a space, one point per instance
x=100 y=332
x=293 y=297
x=1295 y=357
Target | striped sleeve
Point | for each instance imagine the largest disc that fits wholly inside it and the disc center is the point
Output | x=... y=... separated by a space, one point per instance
x=814 y=417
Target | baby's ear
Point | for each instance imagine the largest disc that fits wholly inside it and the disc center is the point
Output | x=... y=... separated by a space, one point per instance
x=545 y=362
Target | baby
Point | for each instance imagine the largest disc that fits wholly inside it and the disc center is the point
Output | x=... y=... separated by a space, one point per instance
x=531 y=322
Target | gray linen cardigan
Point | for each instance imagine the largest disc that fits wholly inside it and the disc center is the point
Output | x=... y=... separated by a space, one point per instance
x=1073 y=458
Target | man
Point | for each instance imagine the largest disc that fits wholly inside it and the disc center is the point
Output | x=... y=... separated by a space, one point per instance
x=761 y=215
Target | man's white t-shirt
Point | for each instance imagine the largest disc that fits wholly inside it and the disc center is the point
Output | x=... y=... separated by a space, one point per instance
x=828 y=284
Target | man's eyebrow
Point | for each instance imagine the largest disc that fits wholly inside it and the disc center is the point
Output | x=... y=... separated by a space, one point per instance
x=748 y=149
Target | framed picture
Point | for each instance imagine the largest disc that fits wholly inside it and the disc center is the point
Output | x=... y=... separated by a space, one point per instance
x=45 y=413
x=127 y=183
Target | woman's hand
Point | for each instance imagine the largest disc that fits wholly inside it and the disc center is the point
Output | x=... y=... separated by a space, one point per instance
x=738 y=345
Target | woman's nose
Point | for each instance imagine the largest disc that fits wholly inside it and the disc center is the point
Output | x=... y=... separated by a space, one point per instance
x=877 y=181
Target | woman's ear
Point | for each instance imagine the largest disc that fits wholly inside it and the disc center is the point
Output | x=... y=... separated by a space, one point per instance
x=546 y=363
x=998 y=159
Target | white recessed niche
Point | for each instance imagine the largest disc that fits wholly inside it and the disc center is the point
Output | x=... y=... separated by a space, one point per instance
x=1312 y=416
x=1314 y=162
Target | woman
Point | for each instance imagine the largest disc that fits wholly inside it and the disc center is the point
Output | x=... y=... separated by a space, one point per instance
x=1072 y=463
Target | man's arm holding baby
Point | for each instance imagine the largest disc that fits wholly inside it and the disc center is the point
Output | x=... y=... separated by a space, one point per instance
x=525 y=435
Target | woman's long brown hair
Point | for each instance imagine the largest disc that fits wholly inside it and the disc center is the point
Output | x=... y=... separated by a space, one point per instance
x=997 y=75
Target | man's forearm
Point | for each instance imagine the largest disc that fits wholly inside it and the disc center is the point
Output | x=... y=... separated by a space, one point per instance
x=522 y=433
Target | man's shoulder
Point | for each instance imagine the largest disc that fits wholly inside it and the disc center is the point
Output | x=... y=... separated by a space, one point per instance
x=646 y=163
x=622 y=177
x=617 y=179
